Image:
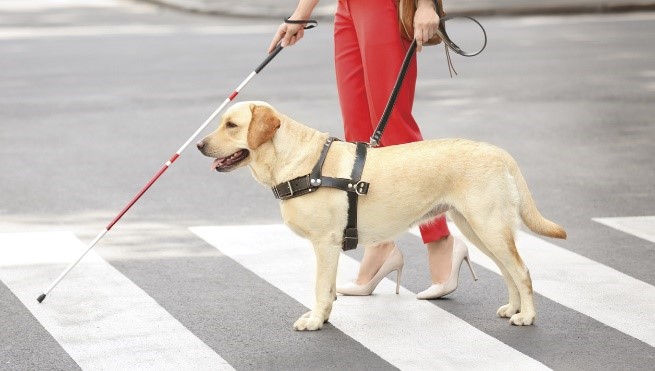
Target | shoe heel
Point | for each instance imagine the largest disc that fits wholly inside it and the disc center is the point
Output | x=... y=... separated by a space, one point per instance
x=468 y=261
x=398 y=273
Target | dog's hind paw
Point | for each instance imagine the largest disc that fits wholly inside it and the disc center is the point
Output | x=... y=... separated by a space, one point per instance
x=507 y=311
x=522 y=319
x=308 y=323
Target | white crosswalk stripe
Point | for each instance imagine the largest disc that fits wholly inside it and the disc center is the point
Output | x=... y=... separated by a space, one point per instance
x=285 y=260
x=583 y=285
x=102 y=319
x=640 y=226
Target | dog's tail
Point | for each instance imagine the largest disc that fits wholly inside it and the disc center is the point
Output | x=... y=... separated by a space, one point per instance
x=527 y=208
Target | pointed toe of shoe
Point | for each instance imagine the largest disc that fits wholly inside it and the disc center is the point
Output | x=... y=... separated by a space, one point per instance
x=393 y=262
x=433 y=292
x=353 y=289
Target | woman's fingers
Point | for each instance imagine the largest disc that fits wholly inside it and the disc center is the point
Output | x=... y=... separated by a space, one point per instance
x=426 y=22
x=294 y=32
x=281 y=31
x=287 y=34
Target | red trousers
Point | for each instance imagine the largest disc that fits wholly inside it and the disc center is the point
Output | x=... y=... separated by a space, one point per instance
x=368 y=55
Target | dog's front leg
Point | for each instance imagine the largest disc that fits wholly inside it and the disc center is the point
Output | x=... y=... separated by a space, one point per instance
x=327 y=260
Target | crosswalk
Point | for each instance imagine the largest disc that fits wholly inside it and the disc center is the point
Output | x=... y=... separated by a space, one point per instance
x=265 y=249
x=105 y=321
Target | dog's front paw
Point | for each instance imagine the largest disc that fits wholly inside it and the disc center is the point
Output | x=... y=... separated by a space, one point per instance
x=522 y=319
x=308 y=322
x=507 y=310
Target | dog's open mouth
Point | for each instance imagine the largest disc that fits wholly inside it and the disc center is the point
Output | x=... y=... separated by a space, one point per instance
x=228 y=163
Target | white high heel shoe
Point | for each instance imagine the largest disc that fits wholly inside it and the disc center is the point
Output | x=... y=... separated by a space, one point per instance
x=437 y=290
x=394 y=262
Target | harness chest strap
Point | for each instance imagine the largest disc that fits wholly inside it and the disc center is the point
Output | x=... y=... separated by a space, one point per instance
x=354 y=187
x=350 y=234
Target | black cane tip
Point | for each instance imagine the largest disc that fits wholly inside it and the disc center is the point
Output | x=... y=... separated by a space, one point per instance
x=40 y=298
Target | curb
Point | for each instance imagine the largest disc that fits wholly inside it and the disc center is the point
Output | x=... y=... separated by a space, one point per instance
x=326 y=12
x=242 y=10
x=559 y=10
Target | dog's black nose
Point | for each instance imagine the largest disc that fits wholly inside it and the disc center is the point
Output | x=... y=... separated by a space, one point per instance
x=200 y=144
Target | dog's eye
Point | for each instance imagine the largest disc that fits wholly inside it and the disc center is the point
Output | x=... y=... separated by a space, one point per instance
x=231 y=125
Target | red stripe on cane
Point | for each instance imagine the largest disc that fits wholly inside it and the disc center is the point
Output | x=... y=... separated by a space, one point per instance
x=234 y=94
x=137 y=197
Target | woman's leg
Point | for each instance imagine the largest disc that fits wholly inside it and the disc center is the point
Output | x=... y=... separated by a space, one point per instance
x=356 y=115
x=350 y=76
x=382 y=52
x=439 y=242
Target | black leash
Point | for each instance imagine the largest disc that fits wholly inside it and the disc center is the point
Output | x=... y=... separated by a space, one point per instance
x=441 y=31
x=377 y=134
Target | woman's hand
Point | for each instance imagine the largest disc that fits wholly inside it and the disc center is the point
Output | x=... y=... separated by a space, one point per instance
x=288 y=33
x=426 y=22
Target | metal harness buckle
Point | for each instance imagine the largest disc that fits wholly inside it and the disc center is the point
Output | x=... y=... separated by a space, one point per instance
x=361 y=188
x=290 y=188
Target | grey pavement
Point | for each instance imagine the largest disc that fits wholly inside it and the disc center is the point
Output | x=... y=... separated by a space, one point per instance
x=325 y=9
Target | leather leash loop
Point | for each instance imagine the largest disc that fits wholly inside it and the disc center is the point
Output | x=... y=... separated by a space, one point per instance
x=441 y=31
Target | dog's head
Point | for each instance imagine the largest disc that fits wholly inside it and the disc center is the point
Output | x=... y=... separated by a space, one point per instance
x=244 y=128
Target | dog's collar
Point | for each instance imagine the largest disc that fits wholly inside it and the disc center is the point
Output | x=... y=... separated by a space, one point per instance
x=354 y=187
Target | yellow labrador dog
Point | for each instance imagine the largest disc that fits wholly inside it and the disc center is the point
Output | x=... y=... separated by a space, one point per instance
x=479 y=185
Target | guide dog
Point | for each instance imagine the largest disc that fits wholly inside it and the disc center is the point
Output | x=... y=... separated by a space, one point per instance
x=479 y=185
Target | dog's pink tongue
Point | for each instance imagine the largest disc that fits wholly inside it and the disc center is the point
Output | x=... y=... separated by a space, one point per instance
x=216 y=163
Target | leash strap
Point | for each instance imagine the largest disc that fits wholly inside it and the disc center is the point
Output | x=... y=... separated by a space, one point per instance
x=382 y=124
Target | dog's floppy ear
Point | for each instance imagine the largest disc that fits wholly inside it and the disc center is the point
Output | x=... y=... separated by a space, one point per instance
x=263 y=125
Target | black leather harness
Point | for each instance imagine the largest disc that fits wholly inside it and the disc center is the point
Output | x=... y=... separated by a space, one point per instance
x=354 y=187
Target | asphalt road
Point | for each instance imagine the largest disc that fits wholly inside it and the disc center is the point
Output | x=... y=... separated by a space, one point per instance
x=96 y=98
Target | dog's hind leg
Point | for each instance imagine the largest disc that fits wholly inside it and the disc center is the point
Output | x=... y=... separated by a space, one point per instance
x=514 y=305
x=521 y=275
x=327 y=260
x=499 y=238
